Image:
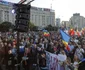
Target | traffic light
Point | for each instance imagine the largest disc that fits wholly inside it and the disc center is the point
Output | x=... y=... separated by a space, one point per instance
x=22 y=17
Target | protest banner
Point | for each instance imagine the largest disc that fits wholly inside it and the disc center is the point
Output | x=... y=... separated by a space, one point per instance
x=52 y=62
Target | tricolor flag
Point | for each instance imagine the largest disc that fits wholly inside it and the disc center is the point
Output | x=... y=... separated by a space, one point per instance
x=77 y=33
x=82 y=31
x=71 y=32
x=46 y=33
x=65 y=39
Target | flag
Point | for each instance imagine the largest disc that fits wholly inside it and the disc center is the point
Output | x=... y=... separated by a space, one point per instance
x=71 y=32
x=77 y=33
x=65 y=36
x=65 y=39
x=46 y=33
x=66 y=45
x=82 y=31
x=82 y=60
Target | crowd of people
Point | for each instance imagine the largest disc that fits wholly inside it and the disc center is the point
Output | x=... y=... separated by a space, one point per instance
x=32 y=47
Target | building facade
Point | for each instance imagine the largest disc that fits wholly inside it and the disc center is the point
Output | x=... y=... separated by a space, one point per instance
x=5 y=12
x=65 y=24
x=42 y=16
x=77 y=21
x=38 y=16
x=58 y=21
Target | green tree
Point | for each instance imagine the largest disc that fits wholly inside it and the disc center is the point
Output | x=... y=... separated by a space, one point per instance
x=5 y=26
x=49 y=28
x=32 y=26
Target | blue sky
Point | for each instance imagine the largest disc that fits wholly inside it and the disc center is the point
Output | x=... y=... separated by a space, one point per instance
x=64 y=9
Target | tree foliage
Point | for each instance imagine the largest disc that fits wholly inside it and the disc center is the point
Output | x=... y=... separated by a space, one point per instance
x=5 y=26
x=51 y=28
x=32 y=27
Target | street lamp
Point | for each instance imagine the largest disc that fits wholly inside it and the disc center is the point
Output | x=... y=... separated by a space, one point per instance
x=13 y=11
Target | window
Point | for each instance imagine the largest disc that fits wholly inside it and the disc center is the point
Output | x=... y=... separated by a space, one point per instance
x=6 y=15
x=1 y=14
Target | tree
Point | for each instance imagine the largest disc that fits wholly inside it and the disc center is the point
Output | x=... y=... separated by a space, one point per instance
x=32 y=26
x=51 y=28
x=5 y=26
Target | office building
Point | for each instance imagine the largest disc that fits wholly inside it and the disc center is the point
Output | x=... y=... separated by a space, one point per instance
x=38 y=16
x=58 y=21
x=6 y=12
x=77 y=21
x=42 y=16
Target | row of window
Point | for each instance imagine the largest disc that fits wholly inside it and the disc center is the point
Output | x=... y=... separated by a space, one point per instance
x=4 y=15
x=42 y=20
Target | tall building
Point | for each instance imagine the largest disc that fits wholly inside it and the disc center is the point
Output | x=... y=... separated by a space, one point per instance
x=42 y=16
x=6 y=12
x=38 y=16
x=65 y=24
x=77 y=21
x=58 y=22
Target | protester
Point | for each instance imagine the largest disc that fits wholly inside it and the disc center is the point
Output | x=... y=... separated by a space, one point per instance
x=76 y=61
x=34 y=45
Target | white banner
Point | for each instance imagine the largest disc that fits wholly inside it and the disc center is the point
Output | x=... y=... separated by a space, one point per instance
x=52 y=62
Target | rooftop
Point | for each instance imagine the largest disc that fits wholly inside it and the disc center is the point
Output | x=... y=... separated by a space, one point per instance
x=35 y=8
